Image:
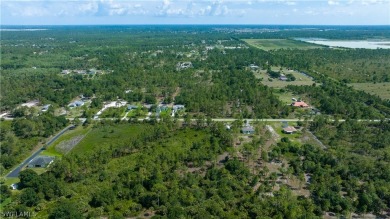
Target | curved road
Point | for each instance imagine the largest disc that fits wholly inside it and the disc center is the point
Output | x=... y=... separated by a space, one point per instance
x=15 y=172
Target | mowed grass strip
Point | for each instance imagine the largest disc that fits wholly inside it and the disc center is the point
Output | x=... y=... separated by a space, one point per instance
x=68 y=135
x=380 y=89
x=274 y=44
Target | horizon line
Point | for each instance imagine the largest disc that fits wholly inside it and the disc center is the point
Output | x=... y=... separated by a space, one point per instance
x=197 y=24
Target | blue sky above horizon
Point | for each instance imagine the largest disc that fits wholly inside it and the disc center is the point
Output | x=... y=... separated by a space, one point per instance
x=301 y=12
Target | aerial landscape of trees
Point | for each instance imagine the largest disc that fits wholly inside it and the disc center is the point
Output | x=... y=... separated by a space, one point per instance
x=197 y=162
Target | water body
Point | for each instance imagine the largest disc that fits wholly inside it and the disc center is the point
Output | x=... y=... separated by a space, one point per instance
x=353 y=44
x=22 y=29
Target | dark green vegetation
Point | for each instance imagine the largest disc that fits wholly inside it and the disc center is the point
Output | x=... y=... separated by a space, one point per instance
x=353 y=174
x=172 y=168
x=348 y=65
x=20 y=136
x=167 y=171
x=336 y=99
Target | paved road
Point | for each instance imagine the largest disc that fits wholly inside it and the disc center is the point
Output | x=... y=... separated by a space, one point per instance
x=15 y=172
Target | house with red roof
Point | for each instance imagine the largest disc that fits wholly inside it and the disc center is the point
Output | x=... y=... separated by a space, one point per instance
x=299 y=104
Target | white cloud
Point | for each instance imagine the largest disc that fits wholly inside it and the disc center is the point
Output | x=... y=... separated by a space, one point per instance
x=333 y=2
x=373 y=2
x=374 y=11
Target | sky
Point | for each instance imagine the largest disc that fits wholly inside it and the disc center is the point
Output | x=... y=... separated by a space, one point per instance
x=293 y=12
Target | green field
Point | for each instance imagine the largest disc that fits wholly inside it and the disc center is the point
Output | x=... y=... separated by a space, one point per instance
x=108 y=135
x=380 y=89
x=301 y=79
x=274 y=44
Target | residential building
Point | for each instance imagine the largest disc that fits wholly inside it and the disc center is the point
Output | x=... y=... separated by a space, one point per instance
x=40 y=161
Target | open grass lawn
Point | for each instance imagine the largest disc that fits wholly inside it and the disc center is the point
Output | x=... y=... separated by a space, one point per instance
x=273 y=44
x=285 y=97
x=380 y=89
x=108 y=135
x=301 y=79
x=11 y=180
x=39 y=171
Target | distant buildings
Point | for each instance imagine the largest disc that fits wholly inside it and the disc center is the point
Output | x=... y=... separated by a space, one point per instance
x=184 y=65
x=65 y=72
x=253 y=67
x=91 y=71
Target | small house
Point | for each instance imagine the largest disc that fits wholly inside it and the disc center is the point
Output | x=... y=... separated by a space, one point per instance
x=253 y=67
x=45 y=107
x=283 y=78
x=161 y=108
x=177 y=107
x=40 y=161
x=76 y=104
x=81 y=72
x=184 y=65
x=248 y=130
x=131 y=107
x=300 y=104
x=289 y=130
x=65 y=72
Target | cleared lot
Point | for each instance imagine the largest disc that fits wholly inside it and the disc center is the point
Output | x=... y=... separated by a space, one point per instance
x=274 y=44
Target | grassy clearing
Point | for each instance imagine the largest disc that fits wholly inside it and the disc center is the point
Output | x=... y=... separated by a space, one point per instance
x=380 y=89
x=285 y=97
x=39 y=171
x=108 y=135
x=301 y=79
x=11 y=180
x=274 y=44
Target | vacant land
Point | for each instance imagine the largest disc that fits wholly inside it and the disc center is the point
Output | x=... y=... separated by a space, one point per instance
x=274 y=44
x=380 y=89
x=52 y=150
x=107 y=134
x=301 y=79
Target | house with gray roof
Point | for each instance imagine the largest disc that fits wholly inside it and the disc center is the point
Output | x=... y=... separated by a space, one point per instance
x=248 y=130
x=76 y=104
x=177 y=107
x=40 y=161
x=131 y=107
